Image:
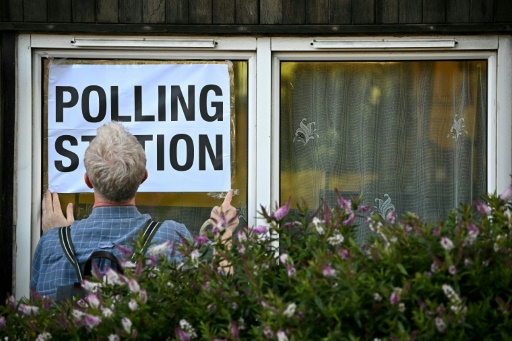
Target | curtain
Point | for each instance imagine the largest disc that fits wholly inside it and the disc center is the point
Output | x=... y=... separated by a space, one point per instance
x=407 y=136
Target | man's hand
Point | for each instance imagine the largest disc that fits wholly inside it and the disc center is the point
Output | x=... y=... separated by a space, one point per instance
x=226 y=215
x=52 y=213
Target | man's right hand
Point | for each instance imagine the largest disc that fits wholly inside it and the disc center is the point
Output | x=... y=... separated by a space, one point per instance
x=52 y=212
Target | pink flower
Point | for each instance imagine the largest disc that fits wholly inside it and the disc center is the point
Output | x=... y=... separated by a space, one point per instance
x=181 y=334
x=344 y=254
x=483 y=209
x=291 y=271
x=91 y=321
x=200 y=240
x=133 y=285
x=507 y=194
x=440 y=325
x=391 y=217
x=452 y=270
x=447 y=244
x=124 y=250
x=282 y=211
x=436 y=232
x=260 y=229
x=328 y=271
x=28 y=309
x=3 y=322
x=395 y=296
x=350 y=219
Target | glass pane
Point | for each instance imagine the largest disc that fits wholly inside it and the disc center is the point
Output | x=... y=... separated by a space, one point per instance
x=191 y=209
x=407 y=135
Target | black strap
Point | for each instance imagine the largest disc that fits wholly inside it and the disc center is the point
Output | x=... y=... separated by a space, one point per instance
x=148 y=232
x=69 y=249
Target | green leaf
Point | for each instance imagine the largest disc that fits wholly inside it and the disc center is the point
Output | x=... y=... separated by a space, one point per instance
x=401 y=268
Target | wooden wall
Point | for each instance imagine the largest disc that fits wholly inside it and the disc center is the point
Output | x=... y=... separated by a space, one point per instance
x=257 y=16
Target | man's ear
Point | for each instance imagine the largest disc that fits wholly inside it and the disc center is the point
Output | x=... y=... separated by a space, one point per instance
x=145 y=176
x=87 y=181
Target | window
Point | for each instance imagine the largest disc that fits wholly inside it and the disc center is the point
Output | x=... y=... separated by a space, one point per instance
x=410 y=124
x=403 y=135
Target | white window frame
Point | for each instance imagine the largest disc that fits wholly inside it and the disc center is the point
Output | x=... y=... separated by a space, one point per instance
x=31 y=48
x=495 y=49
x=264 y=56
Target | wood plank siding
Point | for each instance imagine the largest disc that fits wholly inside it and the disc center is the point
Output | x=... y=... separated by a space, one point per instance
x=278 y=17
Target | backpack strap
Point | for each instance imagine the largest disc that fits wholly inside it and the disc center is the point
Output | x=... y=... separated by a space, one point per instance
x=148 y=232
x=69 y=250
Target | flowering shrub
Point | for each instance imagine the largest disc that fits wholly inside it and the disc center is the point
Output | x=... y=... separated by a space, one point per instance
x=302 y=278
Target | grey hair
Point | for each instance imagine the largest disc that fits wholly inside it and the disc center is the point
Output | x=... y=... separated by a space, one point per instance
x=115 y=162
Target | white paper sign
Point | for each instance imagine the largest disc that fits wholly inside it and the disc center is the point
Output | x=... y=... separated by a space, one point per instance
x=179 y=112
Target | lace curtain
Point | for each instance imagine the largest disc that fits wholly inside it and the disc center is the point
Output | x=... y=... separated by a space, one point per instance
x=405 y=136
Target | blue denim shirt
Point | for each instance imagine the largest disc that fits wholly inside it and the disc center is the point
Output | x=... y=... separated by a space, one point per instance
x=102 y=230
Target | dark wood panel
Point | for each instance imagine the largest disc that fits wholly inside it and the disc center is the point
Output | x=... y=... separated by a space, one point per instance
x=7 y=116
x=395 y=29
x=317 y=12
x=34 y=10
x=386 y=11
x=11 y=10
x=457 y=11
x=434 y=11
x=502 y=11
x=83 y=11
x=481 y=11
x=271 y=11
x=223 y=11
x=107 y=11
x=59 y=11
x=153 y=11
x=176 y=11
x=200 y=12
x=130 y=11
x=247 y=12
x=410 y=11
x=340 y=11
x=363 y=12
x=294 y=11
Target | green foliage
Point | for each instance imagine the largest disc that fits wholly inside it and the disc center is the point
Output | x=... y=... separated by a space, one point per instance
x=303 y=279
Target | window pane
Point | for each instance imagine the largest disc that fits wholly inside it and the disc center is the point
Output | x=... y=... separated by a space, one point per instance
x=192 y=209
x=407 y=135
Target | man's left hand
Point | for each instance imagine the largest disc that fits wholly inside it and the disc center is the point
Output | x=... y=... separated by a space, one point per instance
x=52 y=212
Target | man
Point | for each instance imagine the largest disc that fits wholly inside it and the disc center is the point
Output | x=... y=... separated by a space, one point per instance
x=115 y=164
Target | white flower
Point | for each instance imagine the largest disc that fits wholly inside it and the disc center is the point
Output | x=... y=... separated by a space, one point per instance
x=451 y=294
x=318 y=227
x=134 y=286
x=281 y=336
x=91 y=286
x=160 y=249
x=44 y=336
x=77 y=314
x=336 y=239
x=127 y=264
x=284 y=258
x=107 y=312
x=187 y=327
x=127 y=324
x=440 y=325
x=447 y=244
x=28 y=309
x=194 y=257
x=112 y=277
x=93 y=301
x=290 y=310
x=401 y=307
x=133 y=305
x=113 y=337
x=377 y=297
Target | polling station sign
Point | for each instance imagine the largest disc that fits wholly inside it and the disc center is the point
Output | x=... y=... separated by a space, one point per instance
x=180 y=113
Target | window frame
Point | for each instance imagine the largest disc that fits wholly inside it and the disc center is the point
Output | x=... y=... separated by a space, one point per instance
x=496 y=50
x=30 y=50
x=264 y=55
